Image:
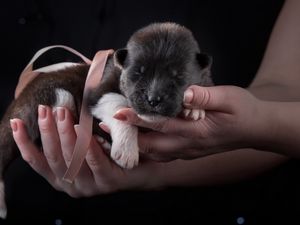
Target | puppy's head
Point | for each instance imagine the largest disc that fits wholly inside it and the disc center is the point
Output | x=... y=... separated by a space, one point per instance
x=158 y=64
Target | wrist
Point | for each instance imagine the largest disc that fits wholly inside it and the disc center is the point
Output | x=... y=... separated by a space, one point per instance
x=278 y=126
x=264 y=126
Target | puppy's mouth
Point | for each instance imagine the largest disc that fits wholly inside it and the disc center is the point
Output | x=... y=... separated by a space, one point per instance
x=145 y=107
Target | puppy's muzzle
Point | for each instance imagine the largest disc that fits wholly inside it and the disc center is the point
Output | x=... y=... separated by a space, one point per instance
x=154 y=100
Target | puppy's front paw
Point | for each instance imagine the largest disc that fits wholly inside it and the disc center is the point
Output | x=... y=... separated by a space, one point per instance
x=194 y=114
x=126 y=155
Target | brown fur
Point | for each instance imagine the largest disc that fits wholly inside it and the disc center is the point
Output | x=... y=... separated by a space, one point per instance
x=41 y=91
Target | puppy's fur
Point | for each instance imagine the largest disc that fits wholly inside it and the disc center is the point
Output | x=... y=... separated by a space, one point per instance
x=150 y=75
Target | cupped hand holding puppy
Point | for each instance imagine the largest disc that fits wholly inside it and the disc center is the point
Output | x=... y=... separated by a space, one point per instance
x=98 y=174
x=231 y=113
x=234 y=119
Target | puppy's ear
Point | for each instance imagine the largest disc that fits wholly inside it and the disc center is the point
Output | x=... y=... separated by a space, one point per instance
x=204 y=60
x=119 y=57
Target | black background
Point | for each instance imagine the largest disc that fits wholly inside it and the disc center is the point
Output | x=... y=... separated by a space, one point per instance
x=235 y=33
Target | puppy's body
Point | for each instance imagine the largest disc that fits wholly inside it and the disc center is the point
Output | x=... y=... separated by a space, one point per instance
x=159 y=62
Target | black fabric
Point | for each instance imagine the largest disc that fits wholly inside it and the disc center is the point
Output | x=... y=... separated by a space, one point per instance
x=235 y=33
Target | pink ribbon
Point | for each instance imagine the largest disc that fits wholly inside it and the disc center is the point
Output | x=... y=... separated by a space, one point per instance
x=85 y=120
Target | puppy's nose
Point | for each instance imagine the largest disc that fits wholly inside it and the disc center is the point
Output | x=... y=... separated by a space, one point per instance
x=154 y=100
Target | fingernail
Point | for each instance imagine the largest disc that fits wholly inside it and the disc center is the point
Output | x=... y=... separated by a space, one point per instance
x=120 y=116
x=13 y=125
x=76 y=128
x=42 y=111
x=188 y=96
x=101 y=125
x=61 y=113
x=100 y=139
x=104 y=127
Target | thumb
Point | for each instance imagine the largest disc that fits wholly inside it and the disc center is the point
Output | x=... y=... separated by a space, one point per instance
x=217 y=98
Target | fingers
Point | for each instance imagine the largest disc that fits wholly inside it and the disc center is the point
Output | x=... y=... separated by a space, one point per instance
x=84 y=178
x=50 y=140
x=30 y=153
x=128 y=115
x=162 y=147
x=66 y=133
x=155 y=142
x=96 y=173
x=104 y=127
x=58 y=140
x=97 y=160
x=217 y=98
x=175 y=126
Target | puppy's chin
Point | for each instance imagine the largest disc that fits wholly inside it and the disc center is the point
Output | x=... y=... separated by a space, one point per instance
x=153 y=118
x=161 y=111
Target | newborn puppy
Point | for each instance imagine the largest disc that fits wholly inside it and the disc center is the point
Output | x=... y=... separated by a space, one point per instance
x=160 y=62
x=150 y=75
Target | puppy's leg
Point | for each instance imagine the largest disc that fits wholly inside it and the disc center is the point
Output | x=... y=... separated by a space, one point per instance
x=124 y=150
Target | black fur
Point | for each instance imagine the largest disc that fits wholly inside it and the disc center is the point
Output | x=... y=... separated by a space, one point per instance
x=160 y=62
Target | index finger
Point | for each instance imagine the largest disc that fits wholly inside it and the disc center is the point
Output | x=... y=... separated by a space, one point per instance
x=29 y=151
x=177 y=126
x=50 y=141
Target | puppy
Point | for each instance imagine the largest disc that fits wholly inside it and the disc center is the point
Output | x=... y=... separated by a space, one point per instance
x=150 y=75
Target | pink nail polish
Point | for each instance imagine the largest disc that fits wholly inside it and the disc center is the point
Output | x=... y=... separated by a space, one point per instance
x=104 y=127
x=61 y=113
x=42 y=110
x=120 y=116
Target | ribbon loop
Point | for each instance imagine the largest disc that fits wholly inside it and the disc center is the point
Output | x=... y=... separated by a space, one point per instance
x=28 y=74
x=85 y=120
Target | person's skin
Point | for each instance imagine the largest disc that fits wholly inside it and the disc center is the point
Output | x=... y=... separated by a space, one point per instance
x=277 y=80
x=234 y=119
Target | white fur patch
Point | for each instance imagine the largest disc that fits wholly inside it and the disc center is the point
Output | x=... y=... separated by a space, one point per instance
x=112 y=102
x=124 y=149
x=64 y=99
x=57 y=66
x=3 y=209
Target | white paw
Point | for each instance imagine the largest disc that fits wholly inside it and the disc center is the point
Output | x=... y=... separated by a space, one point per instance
x=194 y=114
x=126 y=155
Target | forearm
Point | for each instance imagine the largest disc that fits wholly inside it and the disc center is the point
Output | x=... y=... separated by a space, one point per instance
x=216 y=169
x=277 y=80
x=282 y=55
x=275 y=92
x=239 y=164
x=281 y=110
x=280 y=125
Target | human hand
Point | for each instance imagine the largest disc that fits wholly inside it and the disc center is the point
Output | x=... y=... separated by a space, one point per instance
x=98 y=174
x=230 y=123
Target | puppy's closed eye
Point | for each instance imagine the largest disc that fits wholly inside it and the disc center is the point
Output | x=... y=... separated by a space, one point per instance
x=140 y=70
x=174 y=73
